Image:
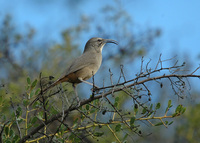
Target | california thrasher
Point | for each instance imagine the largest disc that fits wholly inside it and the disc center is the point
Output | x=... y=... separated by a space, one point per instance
x=85 y=66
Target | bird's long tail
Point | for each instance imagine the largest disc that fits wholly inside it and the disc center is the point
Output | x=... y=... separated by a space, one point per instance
x=46 y=89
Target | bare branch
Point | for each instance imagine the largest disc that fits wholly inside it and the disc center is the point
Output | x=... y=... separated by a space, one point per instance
x=135 y=88
x=195 y=70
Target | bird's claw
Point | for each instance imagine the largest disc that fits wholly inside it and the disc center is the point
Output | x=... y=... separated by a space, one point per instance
x=95 y=89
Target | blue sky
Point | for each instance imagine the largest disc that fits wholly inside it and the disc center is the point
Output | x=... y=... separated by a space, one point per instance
x=179 y=21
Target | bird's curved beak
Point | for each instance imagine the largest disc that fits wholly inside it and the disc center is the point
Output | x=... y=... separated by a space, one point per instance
x=110 y=41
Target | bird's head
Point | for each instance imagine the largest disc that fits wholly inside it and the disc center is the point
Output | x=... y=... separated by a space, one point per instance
x=97 y=44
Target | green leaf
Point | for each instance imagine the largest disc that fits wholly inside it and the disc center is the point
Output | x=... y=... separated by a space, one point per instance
x=92 y=111
x=40 y=115
x=183 y=110
x=168 y=106
x=175 y=114
x=61 y=132
x=151 y=107
x=8 y=141
x=178 y=108
x=31 y=94
x=166 y=109
x=135 y=109
x=53 y=110
x=6 y=130
x=144 y=110
x=34 y=120
x=132 y=120
x=171 y=122
x=28 y=80
x=71 y=137
x=157 y=106
x=25 y=102
x=36 y=125
x=19 y=111
x=75 y=121
x=20 y=120
x=169 y=103
x=76 y=140
x=37 y=91
x=33 y=84
x=116 y=104
x=15 y=139
x=117 y=127
x=87 y=107
x=11 y=133
x=158 y=124
x=150 y=113
x=98 y=134
x=116 y=99
x=96 y=102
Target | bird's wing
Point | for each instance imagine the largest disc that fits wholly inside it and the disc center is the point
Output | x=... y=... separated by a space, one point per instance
x=83 y=61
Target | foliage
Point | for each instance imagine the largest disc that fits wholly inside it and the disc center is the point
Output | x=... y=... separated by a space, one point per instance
x=76 y=122
x=87 y=120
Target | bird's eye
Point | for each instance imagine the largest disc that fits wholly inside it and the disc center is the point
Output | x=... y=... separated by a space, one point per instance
x=99 y=40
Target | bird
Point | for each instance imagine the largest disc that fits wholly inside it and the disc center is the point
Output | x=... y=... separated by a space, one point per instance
x=83 y=67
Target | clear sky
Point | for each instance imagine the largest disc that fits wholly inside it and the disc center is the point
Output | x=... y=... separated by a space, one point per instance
x=179 y=20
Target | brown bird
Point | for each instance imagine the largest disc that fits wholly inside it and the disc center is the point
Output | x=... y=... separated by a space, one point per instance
x=85 y=66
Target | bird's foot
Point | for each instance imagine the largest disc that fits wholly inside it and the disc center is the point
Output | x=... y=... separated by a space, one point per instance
x=95 y=89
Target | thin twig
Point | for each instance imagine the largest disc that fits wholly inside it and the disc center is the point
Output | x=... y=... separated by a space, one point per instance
x=113 y=133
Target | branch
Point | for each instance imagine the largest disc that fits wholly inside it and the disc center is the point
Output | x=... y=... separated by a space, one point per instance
x=114 y=90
